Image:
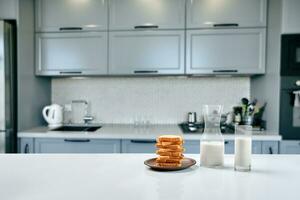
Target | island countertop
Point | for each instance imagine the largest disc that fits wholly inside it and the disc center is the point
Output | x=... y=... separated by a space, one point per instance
x=115 y=177
x=126 y=131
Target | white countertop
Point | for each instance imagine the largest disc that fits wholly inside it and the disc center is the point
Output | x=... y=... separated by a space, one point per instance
x=115 y=177
x=124 y=131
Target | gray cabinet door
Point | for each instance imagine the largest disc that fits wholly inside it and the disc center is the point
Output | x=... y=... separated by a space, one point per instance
x=77 y=146
x=154 y=14
x=240 y=13
x=66 y=15
x=71 y=53
x=290 y=147
x=256 y=147
x=8 y=9
x=138 y=146
x=270 y=147
x=146 y=52
x=192 y=146
x=26 y=145
x=230 y=51
x=229 y=147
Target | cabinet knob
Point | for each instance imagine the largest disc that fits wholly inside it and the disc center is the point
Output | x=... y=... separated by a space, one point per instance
x=26 y=148
x=270 y=150
x=226 y=25
x=70 y=29
x=226 y=71
x=147 y=27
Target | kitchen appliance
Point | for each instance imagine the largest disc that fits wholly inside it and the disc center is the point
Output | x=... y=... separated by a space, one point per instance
x=53 y=115
x=8 y=87
x=289 y=112
x=290 y=55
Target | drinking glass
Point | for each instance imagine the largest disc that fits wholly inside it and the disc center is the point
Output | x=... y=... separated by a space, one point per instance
x=243 y=148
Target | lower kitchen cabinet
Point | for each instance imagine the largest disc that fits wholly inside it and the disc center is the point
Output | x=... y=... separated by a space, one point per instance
x=77 y=146
x=138 y=146
x=270 y=147
x=26 y=145
x=256 y=147
x=67 y=145
x=290 y=147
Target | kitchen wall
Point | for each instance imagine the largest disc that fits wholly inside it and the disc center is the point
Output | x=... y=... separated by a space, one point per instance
x=157 y=99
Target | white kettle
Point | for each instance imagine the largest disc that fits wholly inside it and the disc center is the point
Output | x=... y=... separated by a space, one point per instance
x=53 y=115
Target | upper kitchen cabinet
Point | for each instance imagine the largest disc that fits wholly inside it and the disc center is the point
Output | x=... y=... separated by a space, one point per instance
x=71 y=15
x=226 y=51
x=146 y=52
x=291 y=16
x=226 y=13
x=71 y=53
x=151 y=14
x=8 y=9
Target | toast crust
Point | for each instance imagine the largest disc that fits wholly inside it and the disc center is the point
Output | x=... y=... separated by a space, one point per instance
x=169 y=138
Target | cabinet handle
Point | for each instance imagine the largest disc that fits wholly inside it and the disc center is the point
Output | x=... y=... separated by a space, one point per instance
x=146 y=72
x=70 y=29
x=226 y=142
x=146 y=27
x=270 y=150
x=226 y=25
x=226 y=71
x=66 y=73
x=143 y=141
x=26 y=149
x=77 y=141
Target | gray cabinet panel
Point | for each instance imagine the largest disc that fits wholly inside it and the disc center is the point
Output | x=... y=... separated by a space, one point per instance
x=289 y=147
x=244 y=13
x=230 y=51
x=270 y=147
x=256 y=147
x=26 y=145
x=71 y=53
x=229 y=147
x=130 y=14
x=77 y=146
x=192 y=146
x=8 y=9
x=53 y=15
x=146 y=52
x=138 y=146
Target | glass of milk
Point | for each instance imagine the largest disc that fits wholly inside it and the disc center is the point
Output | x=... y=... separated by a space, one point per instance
x=212 y=141
x=243 y=148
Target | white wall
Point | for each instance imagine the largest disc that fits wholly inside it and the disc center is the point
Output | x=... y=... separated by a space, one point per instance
x=159 y=99
x=267 y=87
x=33 y=92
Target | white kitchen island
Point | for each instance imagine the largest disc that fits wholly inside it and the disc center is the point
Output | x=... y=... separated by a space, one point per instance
x=124 y=177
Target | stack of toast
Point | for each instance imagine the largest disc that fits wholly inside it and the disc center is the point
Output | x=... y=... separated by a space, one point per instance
x=170 y=150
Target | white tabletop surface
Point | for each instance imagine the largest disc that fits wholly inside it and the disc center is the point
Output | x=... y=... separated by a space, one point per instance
x=117 y=177
x=125 y=131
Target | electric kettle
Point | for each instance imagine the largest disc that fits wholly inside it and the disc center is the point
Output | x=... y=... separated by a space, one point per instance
x=53 y=115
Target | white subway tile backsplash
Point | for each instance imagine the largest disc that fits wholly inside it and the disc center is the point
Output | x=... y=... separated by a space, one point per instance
x=155 y=99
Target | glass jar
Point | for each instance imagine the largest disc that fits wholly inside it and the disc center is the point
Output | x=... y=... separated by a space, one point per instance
x=212 y=141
